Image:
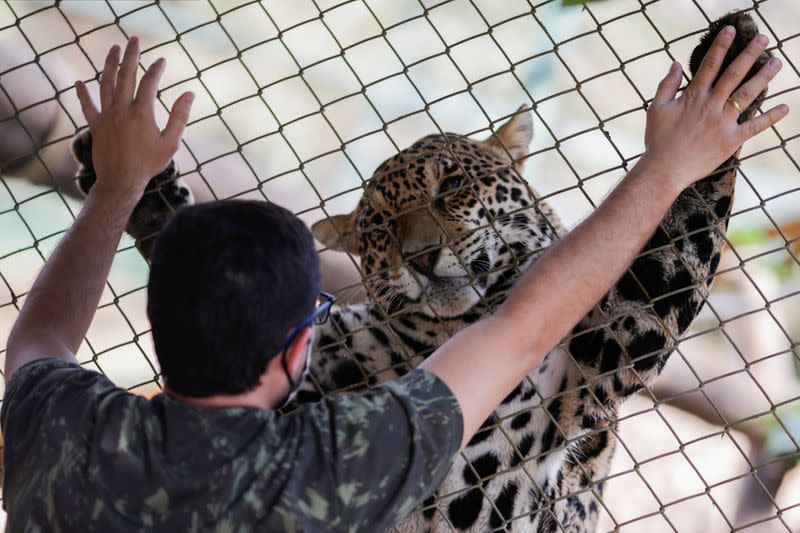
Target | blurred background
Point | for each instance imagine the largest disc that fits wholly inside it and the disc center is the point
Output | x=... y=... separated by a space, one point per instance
x=297 y=101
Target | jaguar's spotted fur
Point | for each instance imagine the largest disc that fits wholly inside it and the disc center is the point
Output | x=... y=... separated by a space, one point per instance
x=442 y=230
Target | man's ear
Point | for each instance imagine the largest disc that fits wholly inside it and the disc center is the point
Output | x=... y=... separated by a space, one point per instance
x=297 y=352
x=337 y=233
x=514 y=137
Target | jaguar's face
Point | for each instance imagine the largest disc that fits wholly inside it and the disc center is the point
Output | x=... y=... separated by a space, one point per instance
x=441 y=222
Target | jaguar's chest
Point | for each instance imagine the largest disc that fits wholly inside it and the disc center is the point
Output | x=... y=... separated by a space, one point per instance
x=511 y=465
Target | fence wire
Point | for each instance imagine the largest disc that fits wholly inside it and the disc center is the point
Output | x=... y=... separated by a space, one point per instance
x=297 y=103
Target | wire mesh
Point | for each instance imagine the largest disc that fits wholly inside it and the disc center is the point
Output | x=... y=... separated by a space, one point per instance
x=297 y=103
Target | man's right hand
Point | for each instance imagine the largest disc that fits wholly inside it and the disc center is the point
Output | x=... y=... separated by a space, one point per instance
x=693 y=134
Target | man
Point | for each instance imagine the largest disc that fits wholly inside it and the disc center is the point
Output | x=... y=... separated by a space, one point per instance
x=237 y=282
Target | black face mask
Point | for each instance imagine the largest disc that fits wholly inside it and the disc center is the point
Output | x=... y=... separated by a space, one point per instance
x=294 y=386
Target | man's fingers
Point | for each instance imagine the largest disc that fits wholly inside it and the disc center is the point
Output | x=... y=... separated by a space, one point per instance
x=178 y=118
x=669 y=85
x=745 y=94
x=109 y=78
x=90 y=111
x=148 y=87
x=126 y=81
x=737 y=70
x=756 y=125
x=713 y=60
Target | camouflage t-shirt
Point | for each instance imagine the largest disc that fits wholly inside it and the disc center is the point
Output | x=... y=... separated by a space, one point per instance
x=83 y=455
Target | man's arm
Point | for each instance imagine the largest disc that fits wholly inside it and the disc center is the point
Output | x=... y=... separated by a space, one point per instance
x=128 y=148
x=686 y=138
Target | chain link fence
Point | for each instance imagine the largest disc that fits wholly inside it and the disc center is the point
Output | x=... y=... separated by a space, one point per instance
x=299 y=101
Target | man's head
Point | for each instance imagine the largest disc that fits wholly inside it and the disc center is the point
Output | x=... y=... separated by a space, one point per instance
x=228 y=281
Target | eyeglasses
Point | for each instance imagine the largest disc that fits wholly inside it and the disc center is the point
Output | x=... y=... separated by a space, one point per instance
x=319 y=316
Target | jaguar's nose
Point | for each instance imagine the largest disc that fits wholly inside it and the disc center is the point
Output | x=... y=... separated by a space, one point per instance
x=425 y=263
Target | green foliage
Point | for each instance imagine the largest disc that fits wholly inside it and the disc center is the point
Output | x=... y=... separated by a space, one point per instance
x=745 y=236
x=783 y=267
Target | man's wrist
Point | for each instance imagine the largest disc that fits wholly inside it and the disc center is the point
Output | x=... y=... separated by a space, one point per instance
x=118 y=202
x=118 y=193
x=665 y=174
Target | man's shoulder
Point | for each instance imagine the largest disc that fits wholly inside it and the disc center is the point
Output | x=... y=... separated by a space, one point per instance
x=421 y=383
x=425 y=392
x=46 y=370
x=418 y=396
x=42 y=382
x=39 y=367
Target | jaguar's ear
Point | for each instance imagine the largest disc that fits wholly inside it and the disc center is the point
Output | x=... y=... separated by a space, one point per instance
x=513 y=138
x=337 y=233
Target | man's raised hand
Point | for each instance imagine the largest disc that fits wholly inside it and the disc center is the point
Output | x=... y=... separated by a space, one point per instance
x=691 y=135
x=128 y=148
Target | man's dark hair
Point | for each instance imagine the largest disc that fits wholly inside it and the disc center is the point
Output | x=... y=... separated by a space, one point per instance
x=228 y=280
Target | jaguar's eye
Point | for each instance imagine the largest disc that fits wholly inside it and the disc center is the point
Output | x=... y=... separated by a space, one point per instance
x=449 y=184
